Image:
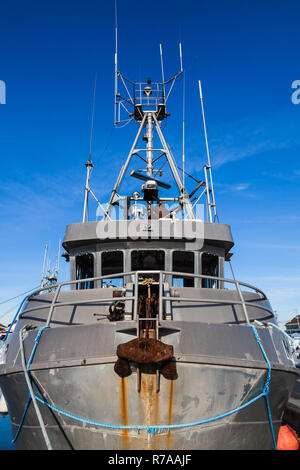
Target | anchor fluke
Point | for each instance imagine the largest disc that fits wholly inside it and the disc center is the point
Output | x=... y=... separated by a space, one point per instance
x=145 y=351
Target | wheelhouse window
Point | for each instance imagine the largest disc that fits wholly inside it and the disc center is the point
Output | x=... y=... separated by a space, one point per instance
x=183 y=262
x=210 y=267
x=144 y=260
x=84 y=270
x=112 y=263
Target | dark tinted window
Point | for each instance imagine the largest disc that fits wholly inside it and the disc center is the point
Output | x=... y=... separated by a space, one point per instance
x=183 y=262
x=147 y=260
x=84 y=270
x=112 y=263
x=210 y=267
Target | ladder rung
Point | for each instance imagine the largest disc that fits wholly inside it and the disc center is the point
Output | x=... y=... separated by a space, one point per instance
x=148 y=318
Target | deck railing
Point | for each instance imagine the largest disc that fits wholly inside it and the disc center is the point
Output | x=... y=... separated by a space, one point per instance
x=135 y=278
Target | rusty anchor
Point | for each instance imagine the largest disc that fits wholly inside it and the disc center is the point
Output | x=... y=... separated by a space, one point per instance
x=146 y=349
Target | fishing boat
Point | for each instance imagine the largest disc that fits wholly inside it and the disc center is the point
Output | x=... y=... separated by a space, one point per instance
x=148 y=345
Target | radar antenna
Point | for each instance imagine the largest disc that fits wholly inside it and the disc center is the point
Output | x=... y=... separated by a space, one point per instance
x=146 y=103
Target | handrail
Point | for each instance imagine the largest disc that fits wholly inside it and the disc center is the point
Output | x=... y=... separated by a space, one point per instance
x=220 y=301
x=134 y=298
x=172 y=273
x=79 y=302
x=215 y=278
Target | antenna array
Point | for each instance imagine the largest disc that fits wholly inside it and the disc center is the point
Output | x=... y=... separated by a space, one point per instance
x=131 y=97
x=146 y=103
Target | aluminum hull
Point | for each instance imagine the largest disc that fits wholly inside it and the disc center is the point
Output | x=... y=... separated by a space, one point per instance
x=92 y=391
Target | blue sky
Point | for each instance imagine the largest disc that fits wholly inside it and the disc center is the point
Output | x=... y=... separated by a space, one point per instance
x=246 y=55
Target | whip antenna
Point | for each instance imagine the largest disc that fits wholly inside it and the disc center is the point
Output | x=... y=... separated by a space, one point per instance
x=92 y=123
x=162 y=69
x=208 y=167
x=116 y=62
x=204 y=124
x=89 y=164
x=180 y=57
x=183 y=130
x=183 y=117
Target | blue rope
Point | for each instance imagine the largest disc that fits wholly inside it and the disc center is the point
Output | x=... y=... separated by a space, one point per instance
x=267 y=383
x=150 y=429
x=36 y=341
x=161 y=428
x=268 y=379
x=22 y=420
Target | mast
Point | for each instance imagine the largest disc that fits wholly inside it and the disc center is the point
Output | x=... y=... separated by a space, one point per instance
x=146 y=103
x=149 y=144
x=89 y=167
x=89 y=164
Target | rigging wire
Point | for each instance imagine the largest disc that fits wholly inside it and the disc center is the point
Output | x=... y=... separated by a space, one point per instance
x=19 y=295
x=9 y=310
x=93 y=112
x=106 y=145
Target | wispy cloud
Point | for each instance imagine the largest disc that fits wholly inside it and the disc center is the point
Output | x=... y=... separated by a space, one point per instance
x=40 y=195
x=251 y=136
x=279 y=279
x=292 y=175
x=271 y=246
x=242 y=189
x=272 y=219
x=241 y=186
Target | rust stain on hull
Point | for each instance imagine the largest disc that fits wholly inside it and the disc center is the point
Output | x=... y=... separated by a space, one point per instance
x=148 y=393
x=124 y=413
x=170 y=410
x=148 y=408
x=150 y=400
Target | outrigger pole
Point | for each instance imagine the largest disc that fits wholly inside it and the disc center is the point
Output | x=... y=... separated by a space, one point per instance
x=89 y=164
x=210 y=204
